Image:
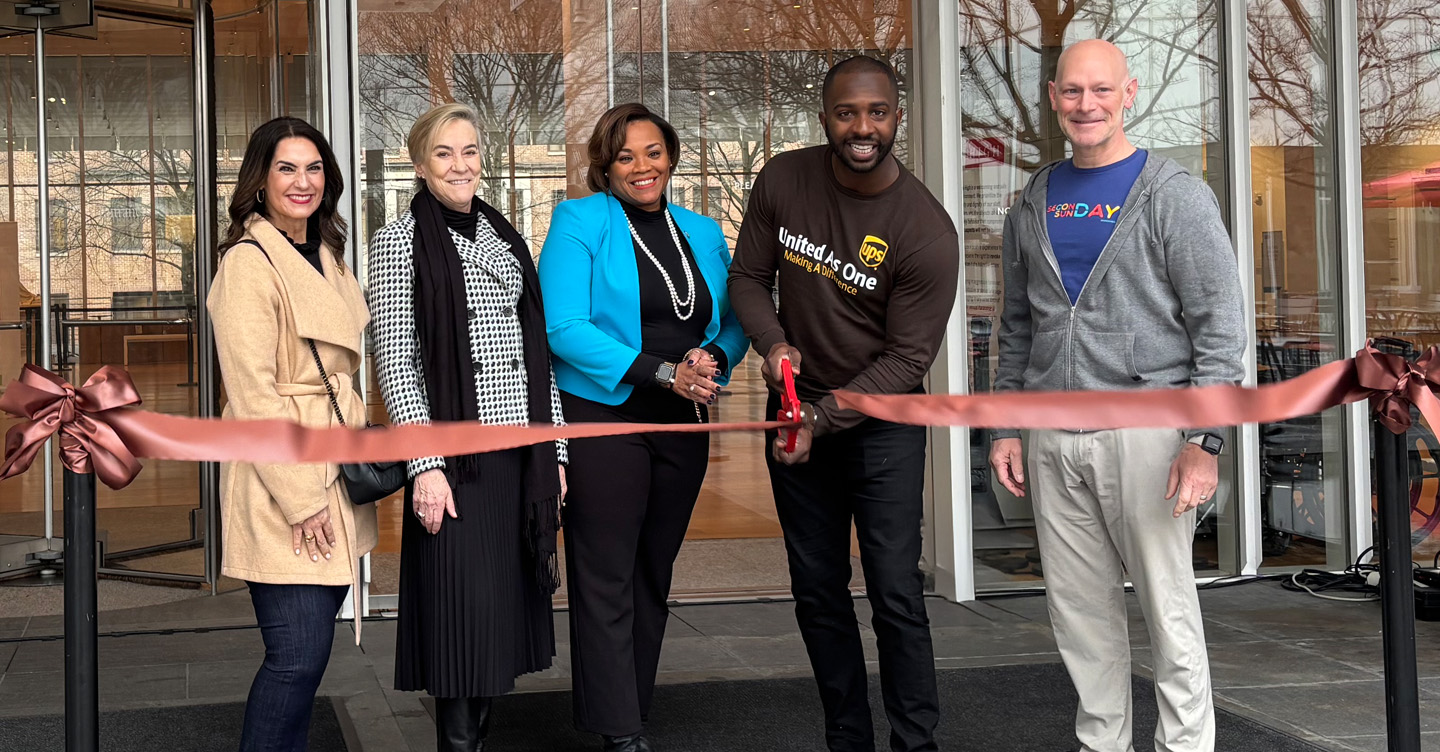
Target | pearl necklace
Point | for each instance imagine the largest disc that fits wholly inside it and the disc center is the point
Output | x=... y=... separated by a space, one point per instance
x=675 y=300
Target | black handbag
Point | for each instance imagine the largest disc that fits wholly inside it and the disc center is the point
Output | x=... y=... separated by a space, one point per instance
x=365 y=482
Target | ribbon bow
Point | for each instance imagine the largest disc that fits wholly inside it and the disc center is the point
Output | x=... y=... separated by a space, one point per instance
x=51 y=404
x=1395 y=384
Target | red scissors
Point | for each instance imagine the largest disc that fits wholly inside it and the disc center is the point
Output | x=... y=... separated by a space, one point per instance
x=789 y=406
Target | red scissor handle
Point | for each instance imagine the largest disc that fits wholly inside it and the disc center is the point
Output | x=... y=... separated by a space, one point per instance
x=789 y=405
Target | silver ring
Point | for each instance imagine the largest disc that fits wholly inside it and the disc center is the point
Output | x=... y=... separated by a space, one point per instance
x=692 y=388
x=1203 y=497
x=420 y=513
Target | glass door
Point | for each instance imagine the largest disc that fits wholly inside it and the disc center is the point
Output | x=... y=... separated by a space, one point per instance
x=122 y=253
x=22 y=500
x=121 y=207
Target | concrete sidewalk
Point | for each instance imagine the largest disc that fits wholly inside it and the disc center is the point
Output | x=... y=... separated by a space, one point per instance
x=1306 y=666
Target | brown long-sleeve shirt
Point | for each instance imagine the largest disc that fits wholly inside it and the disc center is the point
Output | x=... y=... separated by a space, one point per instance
x=866 y=283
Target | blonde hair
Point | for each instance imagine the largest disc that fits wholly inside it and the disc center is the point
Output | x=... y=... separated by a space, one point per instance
x=427 y=128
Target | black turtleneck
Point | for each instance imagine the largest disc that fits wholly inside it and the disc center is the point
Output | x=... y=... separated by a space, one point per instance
x=310 y=249
x=464 y=223
x=664 y=337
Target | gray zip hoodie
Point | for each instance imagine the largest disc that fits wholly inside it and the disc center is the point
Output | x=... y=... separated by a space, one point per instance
x=1160 y=309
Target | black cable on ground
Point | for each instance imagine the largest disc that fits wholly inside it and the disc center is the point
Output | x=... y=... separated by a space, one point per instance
x=1358 y=583
x=1240 y=579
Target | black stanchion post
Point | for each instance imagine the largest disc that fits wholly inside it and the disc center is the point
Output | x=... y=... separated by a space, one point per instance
x=189 y=348
x=82 y=674
x=1397 y=591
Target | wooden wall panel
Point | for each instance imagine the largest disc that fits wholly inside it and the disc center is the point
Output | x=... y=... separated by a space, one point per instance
x=12 y=343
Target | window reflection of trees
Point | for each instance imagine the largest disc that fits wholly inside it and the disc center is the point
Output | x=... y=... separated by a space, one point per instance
x=505 y=63
x=1399 y=72
x=744 y=84
x=736 y=109
x=1009 y=51
x=1399 y=44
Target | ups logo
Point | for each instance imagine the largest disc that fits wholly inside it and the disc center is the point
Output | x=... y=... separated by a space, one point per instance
x=872 y=251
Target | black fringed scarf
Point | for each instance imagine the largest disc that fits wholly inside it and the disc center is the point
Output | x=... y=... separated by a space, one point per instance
x=443 y=326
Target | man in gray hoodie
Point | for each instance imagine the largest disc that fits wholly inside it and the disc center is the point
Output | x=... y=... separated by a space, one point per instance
x=1119 y=274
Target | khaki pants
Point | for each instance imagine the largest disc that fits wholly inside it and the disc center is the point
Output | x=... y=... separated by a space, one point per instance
x=1101 y=514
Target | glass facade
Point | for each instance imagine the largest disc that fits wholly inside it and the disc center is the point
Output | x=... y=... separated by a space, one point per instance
x=1399 y=112
x=741 y=80
x=1297 y=274
x=1008 y=54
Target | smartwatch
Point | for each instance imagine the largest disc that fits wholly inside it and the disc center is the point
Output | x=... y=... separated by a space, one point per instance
x=1209 y=442
x=665 y=375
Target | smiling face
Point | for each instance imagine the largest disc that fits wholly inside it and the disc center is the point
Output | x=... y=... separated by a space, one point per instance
x=641 y=170
x=861 y=116
x=452 y=168
x=295 y=183
x=1090 y=93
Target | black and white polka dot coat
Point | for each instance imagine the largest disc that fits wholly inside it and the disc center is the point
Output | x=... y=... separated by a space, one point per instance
x=492 y=287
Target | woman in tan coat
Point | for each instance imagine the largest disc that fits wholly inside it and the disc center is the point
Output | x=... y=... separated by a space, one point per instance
x=281 y=299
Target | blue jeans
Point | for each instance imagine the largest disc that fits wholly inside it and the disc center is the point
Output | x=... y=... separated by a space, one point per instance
x=297 y=623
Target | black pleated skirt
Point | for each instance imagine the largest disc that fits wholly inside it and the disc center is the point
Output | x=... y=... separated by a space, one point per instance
x=471 y=617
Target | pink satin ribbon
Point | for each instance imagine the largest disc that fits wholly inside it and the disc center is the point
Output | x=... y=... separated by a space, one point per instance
x=81 y=416
x=1391 y=383
x=100 y=429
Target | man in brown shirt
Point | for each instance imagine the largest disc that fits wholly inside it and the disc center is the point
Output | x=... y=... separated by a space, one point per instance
x=867 y=263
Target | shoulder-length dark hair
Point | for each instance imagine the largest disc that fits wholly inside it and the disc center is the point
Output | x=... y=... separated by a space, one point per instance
x=255 y=169
x=609 y=139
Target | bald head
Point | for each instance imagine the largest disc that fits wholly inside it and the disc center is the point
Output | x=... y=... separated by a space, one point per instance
x=1090 y=94
x=1093 y=52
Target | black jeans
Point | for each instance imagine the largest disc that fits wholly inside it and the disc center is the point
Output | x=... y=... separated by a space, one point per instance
x=625 y=518
x=297 y=623
x=873 y=473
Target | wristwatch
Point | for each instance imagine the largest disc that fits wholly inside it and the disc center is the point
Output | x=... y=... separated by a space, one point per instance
x=665 y=375
x=1209 y=442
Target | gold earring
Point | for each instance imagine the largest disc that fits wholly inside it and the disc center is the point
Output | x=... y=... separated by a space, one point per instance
x=260 y=197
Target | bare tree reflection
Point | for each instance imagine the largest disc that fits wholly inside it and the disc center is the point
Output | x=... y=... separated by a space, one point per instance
x=506 y=63
x=1009 y=51
x=744 y=79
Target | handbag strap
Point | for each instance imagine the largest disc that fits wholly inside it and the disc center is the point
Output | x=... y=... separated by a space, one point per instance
x=330 y=390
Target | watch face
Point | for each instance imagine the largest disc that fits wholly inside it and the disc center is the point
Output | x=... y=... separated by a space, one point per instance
x=1212 y=444
x=665 y=374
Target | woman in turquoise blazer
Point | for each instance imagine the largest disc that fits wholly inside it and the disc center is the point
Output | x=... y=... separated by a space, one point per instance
x=640 y=330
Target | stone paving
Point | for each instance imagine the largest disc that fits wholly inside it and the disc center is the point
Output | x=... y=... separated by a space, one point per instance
x=1307 y=666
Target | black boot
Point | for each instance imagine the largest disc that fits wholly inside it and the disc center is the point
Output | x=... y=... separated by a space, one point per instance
x=628 y=743
x=461 y=724
x=480 y=710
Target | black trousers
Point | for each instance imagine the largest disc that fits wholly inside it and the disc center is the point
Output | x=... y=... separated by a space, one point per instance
x=625 y=517
x=874 y=474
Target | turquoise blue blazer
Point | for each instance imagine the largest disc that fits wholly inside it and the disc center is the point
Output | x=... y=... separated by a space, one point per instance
x=591 y=286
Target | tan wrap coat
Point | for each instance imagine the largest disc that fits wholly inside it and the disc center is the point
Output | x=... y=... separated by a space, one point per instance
x=262 y=312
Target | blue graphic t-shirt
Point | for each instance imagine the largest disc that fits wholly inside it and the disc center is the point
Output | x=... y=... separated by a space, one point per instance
x=1082 y=206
